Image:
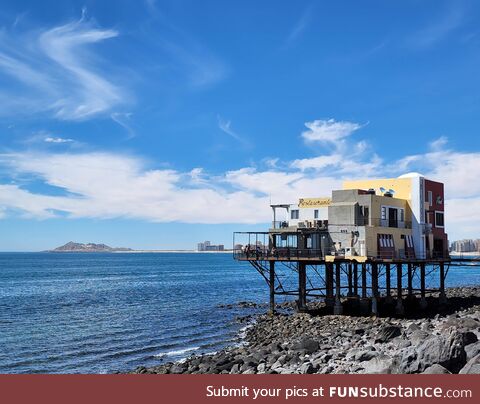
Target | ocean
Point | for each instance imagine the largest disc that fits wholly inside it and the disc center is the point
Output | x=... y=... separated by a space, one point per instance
x=103 y=313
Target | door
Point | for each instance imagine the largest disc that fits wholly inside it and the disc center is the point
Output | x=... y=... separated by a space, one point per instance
x=392 y=217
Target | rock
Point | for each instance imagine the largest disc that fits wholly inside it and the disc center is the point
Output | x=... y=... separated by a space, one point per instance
x=178 y=368
x=307 y=368
x=418 y=336
x=446 y=350
x=308 y=345
x=388 y=332
x=363 y=356
x=261 y=367
x=413 y=327
x=436 y=369
x=469 y=337
x=472 y=350
x=380 y=364
x=472 y=367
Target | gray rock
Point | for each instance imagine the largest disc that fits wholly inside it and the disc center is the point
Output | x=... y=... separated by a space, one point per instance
x=306 y=344
x=446 y=350
x=436 y=369
x=380 y=364
x=363 y=356
x=307 y=368
x=388 y=332
x=469 y=338
x=261 y=367
x=178 y=368
x=472 y=367
x=472 y=350
x=418 y=336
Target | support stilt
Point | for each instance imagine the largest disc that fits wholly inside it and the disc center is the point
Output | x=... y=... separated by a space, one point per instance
x=388 y=296
x=423 y=300
x=442 y=297
x=272 y=287
x=302 y=287
x=329 y=301
x=337 y=309
x=355 y=279
x=399 y=307
x=374 y=288
x=410 y=282
x=364 y=302
x=350 y=279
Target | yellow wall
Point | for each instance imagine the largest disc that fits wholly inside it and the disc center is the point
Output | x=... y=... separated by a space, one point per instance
x=371 y=234
x=401 y=186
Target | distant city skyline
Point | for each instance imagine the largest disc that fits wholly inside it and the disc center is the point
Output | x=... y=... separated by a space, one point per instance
x=156 y=124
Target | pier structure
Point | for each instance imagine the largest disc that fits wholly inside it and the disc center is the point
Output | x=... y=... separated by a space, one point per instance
x=372 y=245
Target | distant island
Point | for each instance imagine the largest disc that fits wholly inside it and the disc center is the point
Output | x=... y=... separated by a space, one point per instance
x=90 y=247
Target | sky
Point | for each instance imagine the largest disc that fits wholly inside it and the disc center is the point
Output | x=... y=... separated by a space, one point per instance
x=159 y=124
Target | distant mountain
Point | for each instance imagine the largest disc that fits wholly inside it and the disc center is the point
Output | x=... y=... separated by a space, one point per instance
x=90 y=247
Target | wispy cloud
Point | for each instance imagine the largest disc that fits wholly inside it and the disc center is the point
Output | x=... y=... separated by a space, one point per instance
x=226 y=127
x=55 y=71
x=50 y=139
x=123 y=119
x=300 y=26
x=329 y=130
x=438 y=29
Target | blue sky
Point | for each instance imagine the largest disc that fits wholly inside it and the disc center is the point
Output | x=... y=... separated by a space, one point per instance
x=158 y=124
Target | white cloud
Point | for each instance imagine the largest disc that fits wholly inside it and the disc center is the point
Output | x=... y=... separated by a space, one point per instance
x=54 y=71
x=51 y=139
x=329 y=131
x=300 y=26
x=109 y=185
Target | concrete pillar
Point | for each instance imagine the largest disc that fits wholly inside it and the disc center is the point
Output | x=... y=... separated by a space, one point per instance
x=337 y=309
x=423 y=300
x=374 y=288
x=399 y=307
x=410 y=282
x=355 y=279
x=350 y=279
x=329 y=284
x=272 y=287
x=302 y=286
x=442 y=297
x=364 y=302
x=388 y=296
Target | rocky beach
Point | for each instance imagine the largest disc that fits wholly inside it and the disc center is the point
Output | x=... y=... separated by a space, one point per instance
x=442 y=339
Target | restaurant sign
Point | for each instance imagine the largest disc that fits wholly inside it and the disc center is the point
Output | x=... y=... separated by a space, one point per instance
x=314 y=202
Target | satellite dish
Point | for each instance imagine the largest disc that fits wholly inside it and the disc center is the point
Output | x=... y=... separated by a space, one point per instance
x=439 y=200
x=382 y=190
x=391 y=191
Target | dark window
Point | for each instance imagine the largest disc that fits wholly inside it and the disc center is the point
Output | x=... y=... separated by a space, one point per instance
x=294 y=214
x=439 y=220
x=315 y=214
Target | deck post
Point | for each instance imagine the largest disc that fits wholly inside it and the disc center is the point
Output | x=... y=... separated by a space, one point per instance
x=302 y=286
x=423 y=301
x=350 y=279
x=388 y=296
x=442 y=297
x=374 y=288
x=364 y=303
x=329 y=284
x=355 y=279
x=410 y=281
x=272 y=287
x=399 y=307
x=337 y=309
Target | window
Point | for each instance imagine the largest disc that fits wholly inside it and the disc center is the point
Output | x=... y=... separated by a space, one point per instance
x=439 y=219
x=294 y=214
x=402 y=215
x=315 y=214
x=430 y=198
x=384 y=212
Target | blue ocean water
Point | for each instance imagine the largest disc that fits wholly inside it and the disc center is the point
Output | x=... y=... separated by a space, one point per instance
x=99 y=313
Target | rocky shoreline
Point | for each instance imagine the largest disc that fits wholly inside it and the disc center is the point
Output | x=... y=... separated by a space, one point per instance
x=445 y=340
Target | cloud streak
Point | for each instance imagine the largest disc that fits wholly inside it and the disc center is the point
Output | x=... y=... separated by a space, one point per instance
x=56 y=72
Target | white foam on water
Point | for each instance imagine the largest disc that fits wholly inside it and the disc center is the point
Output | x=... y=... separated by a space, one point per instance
x=176 y=353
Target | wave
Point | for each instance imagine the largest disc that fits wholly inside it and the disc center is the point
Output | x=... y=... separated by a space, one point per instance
x=177 y=352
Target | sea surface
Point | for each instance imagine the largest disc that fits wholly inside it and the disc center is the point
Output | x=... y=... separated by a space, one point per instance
x=102 y=313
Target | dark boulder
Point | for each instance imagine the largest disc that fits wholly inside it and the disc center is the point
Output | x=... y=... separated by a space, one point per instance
x=388 y=332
